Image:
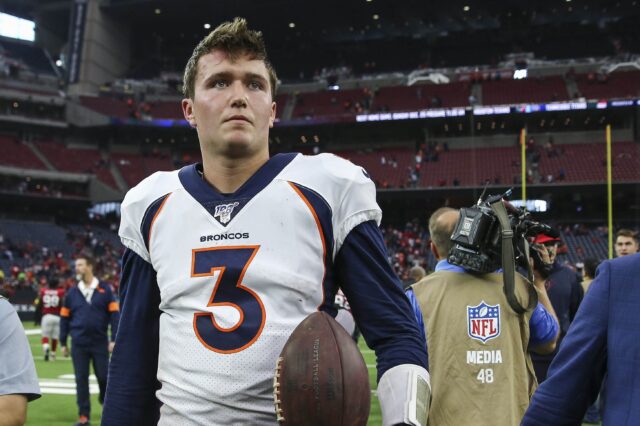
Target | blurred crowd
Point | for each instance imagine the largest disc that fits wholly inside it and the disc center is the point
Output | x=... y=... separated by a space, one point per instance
x=30 y=266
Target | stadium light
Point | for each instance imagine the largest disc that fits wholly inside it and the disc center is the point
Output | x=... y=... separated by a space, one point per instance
x=207 y=26
x=292 y=24
x=14 y=27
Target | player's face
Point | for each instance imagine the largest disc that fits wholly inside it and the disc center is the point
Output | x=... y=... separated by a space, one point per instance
x=626 y=246
x=82 y=267
x=232 y=108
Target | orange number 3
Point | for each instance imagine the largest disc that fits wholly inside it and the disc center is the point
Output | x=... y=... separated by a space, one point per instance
x=231 y=262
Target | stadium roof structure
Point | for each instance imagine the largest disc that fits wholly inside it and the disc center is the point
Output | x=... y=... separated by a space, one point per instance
x=304 y=37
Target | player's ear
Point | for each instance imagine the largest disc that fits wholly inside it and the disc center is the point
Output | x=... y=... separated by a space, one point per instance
x=187 y=111
x=272 y=118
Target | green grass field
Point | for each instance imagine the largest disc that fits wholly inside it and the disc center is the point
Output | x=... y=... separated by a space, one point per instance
x=61 y=410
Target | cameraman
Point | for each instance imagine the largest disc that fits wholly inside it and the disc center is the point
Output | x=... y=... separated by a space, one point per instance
x=564 y=290
x=480 y=369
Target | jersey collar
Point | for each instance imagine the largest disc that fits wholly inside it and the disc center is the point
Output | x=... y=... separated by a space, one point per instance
x=223 y=207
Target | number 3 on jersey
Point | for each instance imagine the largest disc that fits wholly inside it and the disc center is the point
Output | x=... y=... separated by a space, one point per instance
x=231 y=263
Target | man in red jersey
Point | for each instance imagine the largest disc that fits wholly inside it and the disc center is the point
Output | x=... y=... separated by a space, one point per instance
x=51 y=302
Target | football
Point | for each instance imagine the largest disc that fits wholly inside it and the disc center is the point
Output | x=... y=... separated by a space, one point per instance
x=321 y=377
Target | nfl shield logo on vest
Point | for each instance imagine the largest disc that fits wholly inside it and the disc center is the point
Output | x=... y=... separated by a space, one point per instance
x=483 y=321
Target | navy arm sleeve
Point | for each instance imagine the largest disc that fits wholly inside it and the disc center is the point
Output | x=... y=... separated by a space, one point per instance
x=114 y=318
x=132 y=384
x=417 y=312
x=543 y=327
x=577 y=371
x=381 y=310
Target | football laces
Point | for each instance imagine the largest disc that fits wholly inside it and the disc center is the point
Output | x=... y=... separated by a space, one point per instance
x=276 y=390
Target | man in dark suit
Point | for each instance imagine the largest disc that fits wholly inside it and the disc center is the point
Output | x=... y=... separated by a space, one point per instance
x=604 y=339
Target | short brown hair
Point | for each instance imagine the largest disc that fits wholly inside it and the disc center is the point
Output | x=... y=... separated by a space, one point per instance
x=236 y=39
x=441 y=232
x=87 y=258
x=626 y=233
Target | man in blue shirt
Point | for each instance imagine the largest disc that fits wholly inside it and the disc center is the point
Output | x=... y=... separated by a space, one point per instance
x=87 y=311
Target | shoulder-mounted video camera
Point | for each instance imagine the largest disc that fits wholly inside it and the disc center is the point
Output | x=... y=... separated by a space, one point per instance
x=493 y=234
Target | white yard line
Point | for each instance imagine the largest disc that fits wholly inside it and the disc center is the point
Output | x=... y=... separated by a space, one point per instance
x=65 y=385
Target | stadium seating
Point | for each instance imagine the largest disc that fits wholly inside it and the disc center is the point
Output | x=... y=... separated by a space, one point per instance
x=166 y=109
x=135 y=167
x=393 y=173
x=131 y=167
x=586 y=162
x=42 y=234
x=17 y=154
x=623 y=84
x=591 y=244
x=110 y=107
x=77 y=160
x=471 y=167
x=69 y=159
x=548 y=89
x=412 y=98
x=29 y=54
x=581 y=163
x=329 y=103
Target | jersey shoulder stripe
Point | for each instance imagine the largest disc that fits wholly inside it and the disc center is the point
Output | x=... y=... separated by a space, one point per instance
x=347 y=189
x=146 y=197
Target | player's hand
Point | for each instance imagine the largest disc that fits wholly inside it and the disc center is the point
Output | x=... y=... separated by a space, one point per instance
x=65 y=351
x=111 y=346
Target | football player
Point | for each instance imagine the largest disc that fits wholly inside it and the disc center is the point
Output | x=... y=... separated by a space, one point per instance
x=225 y=258
x=50 y=302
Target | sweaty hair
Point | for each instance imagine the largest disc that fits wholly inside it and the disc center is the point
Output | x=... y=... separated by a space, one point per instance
x=627 y=233
x=441 y=232
x=236 y=39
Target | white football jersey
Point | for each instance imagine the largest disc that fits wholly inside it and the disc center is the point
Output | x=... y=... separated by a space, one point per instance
x=237 y=273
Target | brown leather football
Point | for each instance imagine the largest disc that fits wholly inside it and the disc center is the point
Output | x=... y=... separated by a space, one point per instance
x=321 y=377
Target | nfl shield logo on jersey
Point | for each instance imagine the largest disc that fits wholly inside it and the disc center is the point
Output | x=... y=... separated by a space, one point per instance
x=483 y=321
x=223 y=212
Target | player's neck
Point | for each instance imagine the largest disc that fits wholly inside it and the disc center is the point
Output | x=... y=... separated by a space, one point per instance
x=228 y=175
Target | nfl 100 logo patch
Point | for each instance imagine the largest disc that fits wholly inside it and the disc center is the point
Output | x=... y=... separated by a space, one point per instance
x=483 y=321
x=223 y=212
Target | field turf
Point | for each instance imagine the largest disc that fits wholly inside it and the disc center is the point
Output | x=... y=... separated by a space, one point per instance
x=61 y=410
